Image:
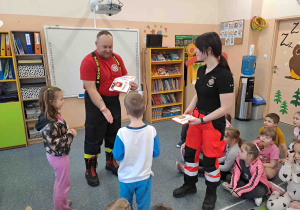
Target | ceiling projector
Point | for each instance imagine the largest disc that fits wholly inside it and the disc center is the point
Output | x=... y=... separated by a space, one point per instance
x=108 y=7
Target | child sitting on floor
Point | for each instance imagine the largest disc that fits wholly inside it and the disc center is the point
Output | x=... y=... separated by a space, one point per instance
x=248 y=179
x=290 y=173
x=161 y=206
x=233 y=143
x=271 y=121
x=270 y=154
x=119 y=204
x=296 y=122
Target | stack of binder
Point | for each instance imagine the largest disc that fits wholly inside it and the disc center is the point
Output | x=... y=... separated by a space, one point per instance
x=32 y=46
x=5 y=45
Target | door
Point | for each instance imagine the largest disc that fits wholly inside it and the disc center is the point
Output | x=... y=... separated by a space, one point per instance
x=285 y=92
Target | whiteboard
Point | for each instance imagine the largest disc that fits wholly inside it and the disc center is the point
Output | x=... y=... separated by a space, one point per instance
x=67 y=46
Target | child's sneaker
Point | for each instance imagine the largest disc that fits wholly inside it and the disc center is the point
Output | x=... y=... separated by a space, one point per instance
x=276 y=188
x=258 y=201
x=225 y=186
x=182 y=152
x=179 y=144
x=180 y=168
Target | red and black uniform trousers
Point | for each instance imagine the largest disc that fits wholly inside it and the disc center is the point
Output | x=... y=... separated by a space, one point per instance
x=98 y=128
x=210 y=136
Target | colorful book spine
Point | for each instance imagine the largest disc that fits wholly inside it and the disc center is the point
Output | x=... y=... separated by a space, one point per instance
x=2 y=53
x=6 y=69
x=1 y=70
x=37 y=43
x=7 y=45
x=20 y=46
x=14 y=44
x=28 y=44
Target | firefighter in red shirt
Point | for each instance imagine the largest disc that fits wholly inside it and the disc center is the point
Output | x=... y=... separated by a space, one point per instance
x=103 y=111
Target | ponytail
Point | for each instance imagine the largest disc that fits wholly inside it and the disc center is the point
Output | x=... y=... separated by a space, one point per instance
x=240 y=141
x=224 y=63
x=212 y=40
x=47 y=96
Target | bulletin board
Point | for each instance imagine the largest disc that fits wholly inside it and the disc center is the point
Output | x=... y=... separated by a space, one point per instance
x=232 y=32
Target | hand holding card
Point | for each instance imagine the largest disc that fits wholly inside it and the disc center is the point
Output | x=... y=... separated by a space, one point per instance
x=183 y=119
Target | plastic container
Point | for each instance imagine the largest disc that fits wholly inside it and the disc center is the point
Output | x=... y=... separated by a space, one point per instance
x=258 y=105
x=248 y=65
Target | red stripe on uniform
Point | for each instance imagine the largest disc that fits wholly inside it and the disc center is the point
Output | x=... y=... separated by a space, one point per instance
x=218 y=175
x=191 y=169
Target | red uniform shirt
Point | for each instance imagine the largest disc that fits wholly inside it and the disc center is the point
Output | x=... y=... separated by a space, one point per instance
x=109 y=70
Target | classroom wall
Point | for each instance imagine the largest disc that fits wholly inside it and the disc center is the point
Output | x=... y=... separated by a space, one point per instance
x=273 y=9
x=233 y=10
x=73 y=110
x=166 y=11
x=263 y=40
x=229 y=10
x=196 y=17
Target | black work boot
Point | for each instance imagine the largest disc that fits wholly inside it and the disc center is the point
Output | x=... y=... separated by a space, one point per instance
x=111 y=163
x=184 y=190
x=210 y=198
x=91 y=174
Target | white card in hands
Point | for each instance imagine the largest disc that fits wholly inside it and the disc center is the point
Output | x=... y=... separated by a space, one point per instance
x=183 y=119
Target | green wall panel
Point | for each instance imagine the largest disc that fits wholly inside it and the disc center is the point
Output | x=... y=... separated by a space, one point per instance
x=12 y=131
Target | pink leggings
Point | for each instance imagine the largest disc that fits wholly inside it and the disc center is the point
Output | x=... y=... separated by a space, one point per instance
x=61 y=166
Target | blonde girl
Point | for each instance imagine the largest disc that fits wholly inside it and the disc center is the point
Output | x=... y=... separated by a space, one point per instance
x=233 y=143
x=248 y=179
x=57 y=142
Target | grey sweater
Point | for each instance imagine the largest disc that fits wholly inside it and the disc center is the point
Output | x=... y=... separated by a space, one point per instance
x=229 y=158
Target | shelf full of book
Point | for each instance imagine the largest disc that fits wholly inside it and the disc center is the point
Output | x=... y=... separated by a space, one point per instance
x=163 y=93
x=12 y=134
x=32 y=76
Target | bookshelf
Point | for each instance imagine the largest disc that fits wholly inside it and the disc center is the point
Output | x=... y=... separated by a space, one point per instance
x=32 y=75
x=163 y=92
x=12 y=133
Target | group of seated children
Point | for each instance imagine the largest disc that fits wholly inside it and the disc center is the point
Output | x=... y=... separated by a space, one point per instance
x=247 y=167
